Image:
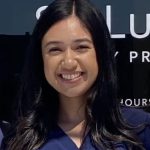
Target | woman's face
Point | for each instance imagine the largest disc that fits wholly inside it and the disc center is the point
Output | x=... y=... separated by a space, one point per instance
x=69 y=57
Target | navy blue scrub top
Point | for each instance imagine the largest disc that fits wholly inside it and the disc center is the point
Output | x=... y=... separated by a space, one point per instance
x=59 y=140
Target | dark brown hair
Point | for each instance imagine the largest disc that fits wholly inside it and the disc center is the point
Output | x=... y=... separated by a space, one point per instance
x=38 y=101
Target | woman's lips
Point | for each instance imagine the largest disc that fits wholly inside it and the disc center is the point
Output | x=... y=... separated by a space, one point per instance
x=70 y=77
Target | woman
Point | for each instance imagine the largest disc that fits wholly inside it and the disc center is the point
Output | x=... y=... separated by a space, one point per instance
x=68 y=94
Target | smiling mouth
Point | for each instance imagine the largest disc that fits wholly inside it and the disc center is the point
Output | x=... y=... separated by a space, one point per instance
x=70 y=76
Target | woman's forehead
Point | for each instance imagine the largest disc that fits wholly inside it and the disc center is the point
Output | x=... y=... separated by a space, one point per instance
x=71 y=28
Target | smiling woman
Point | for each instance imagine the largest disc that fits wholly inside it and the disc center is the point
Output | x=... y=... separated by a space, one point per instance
x=70 y=46
x=67 y=99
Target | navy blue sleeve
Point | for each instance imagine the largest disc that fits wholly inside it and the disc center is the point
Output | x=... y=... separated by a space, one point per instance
x=138 y=117
x=145 y=134
x=1 y=136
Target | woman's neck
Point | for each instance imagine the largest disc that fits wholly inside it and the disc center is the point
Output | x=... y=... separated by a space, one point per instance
x=71 y=111
x=72 y=118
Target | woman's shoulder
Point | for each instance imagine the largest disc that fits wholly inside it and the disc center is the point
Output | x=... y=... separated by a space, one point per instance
x=137 y=117
x=1 y=136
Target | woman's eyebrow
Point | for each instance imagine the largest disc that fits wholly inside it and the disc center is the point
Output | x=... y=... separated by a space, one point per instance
x=82 y=40
x=60 y=42
x=52 y=43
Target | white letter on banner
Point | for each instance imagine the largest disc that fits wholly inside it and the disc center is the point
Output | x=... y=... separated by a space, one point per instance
x=145 y=56
x=144 y=102
x=128 y=102
x=108 y=21
x=39 y=10
x=116 y=53
x=132 y=26
x=133 y=55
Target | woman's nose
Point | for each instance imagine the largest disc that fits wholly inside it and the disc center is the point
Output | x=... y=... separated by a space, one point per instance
x=69 y=61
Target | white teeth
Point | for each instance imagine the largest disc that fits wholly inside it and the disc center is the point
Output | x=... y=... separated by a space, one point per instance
x=70 y=76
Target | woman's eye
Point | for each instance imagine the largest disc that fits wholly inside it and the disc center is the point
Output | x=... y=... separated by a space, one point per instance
x=55 y=50
x=82 y=47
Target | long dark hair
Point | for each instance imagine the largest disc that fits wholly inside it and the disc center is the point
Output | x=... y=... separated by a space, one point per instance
x=38 y=101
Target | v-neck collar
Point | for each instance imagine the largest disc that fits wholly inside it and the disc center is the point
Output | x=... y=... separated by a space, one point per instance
x=66 y=141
